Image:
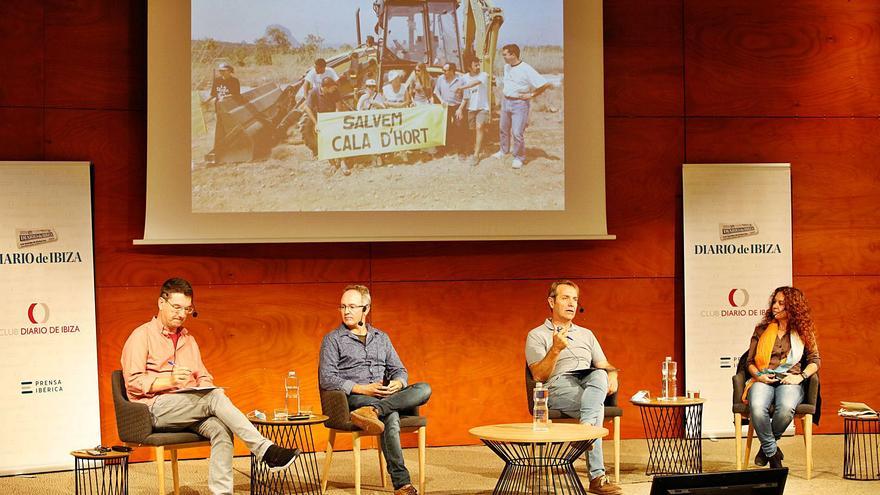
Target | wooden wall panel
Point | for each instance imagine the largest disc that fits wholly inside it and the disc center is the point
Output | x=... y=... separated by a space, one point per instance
x=21 y=43
x=97 y=54
x=847 y=341
x=21 y=133
x=645 y=228
x=779 y=58
x=467 y=340
x=643 y=58
x=459 y=312
x=835 y=182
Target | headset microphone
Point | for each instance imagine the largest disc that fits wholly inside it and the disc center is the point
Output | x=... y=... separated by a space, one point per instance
x=195 y=314
x=580 y=309
x=361 y=323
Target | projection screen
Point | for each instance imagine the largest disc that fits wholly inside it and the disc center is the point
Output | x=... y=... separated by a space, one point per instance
x=249 y=142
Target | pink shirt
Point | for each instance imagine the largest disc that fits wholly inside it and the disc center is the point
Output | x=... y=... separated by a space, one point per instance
x=149 y=353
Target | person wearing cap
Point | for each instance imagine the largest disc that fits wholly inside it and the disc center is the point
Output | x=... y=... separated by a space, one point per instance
x=370 y=99
x=225 y=85
x=394 y=92
x=324 y=98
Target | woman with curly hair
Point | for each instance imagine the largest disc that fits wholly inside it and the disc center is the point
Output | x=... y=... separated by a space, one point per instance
x=782 y=354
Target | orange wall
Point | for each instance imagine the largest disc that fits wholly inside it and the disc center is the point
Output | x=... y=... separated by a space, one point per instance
x=686 y=81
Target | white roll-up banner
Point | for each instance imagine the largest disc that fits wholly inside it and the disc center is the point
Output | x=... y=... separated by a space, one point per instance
x=737 y=249
x=48 y=357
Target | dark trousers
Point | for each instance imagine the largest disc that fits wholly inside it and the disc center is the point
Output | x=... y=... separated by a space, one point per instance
x=412 y=396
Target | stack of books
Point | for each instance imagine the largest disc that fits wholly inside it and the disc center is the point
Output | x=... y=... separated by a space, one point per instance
x=856 y=410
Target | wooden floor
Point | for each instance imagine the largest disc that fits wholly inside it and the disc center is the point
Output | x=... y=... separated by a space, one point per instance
x=475 y=469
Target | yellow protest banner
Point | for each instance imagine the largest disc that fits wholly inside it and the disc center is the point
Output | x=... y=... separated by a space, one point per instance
x=370 y=132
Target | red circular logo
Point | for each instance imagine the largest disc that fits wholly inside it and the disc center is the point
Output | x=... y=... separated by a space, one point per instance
x=38 y=313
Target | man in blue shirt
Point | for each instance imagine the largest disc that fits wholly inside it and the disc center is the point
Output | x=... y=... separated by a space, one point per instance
x=360 y=360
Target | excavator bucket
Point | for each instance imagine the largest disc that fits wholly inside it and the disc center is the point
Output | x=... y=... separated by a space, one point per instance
x=245 y=131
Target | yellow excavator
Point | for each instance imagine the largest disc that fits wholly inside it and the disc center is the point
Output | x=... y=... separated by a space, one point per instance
x=407 y=32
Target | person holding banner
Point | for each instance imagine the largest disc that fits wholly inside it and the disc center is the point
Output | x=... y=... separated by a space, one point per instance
x=570 y=361
x=394 y=93
x=783 y=353
x=521 y=84
x=322 y=99
x=163 y=368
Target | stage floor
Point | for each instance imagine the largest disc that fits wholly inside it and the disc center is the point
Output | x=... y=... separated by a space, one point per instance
x=474 y=470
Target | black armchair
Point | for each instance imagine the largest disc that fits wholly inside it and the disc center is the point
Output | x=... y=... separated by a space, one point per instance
x=612 y=413
x=807 y=411
x=334 y=405
x=134 y=425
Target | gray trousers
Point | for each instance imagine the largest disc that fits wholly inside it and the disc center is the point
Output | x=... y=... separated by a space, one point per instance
x=210 y=414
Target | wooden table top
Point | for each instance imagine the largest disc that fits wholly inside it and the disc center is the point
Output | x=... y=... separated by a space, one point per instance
x=311 y=420
x=673 y=402
x=82 y=454
x=523 y=432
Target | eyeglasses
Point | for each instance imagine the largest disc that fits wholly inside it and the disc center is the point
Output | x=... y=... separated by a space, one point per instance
x=351 y=307
x=178 y=308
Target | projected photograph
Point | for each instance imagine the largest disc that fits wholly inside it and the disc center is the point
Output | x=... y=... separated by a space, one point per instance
x=377 y=105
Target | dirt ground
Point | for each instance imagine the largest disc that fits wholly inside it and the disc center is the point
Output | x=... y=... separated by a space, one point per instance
x=293 y=181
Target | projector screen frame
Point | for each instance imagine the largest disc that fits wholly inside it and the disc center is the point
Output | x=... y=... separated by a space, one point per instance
x=169 y=218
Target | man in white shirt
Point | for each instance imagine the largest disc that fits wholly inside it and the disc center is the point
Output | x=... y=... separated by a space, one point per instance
x=521 y=84
x=316 y=75
x=476 y=101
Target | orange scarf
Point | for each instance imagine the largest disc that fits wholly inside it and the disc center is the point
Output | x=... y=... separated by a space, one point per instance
x=762 y=355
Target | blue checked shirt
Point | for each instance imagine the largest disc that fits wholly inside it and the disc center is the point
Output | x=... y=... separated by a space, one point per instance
x=346 y=362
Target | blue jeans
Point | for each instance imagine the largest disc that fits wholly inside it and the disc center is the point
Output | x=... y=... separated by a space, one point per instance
x=583 y=398
x=514 y=119
x=784 y=398
x=387 y=408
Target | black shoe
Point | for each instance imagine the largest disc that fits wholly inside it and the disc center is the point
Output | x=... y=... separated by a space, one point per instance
x=776 y=460
x=279 y=458
x=761 y=459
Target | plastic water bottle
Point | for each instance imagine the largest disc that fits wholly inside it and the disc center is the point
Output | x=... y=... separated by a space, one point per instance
x=291 y=392
x=541 y=413
x=669 y=382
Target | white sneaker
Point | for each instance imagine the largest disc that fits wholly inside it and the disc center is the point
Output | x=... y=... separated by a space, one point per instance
x=517 y=163
x=499 y=155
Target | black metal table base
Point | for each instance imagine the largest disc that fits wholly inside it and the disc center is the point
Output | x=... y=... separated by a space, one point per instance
x=97 y=476
x=674 y=435
x=861 y=448
x=531 y=468
x=301 y=477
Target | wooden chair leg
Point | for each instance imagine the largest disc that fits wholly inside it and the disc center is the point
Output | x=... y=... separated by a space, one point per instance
x=160 y=468
x=356 y=449
x=175 y=476
x=327 y=457
x=749 y=435
x=423 y=434
x=738 y=443
x=808 y=443
x=383 y=472
x=617 y=449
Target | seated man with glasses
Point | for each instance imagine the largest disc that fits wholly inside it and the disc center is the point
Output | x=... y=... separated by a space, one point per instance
x=359 y=359
x=160 y=358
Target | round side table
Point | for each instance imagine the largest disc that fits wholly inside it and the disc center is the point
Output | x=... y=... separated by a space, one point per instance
x=539 y=461
x=303 y=475
x=673 y=430
x=861 y=448
x=105 y=474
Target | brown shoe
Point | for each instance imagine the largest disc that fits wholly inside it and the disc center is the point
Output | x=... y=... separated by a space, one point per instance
x=602 y=486
x=406 y=490
x=366 y=419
